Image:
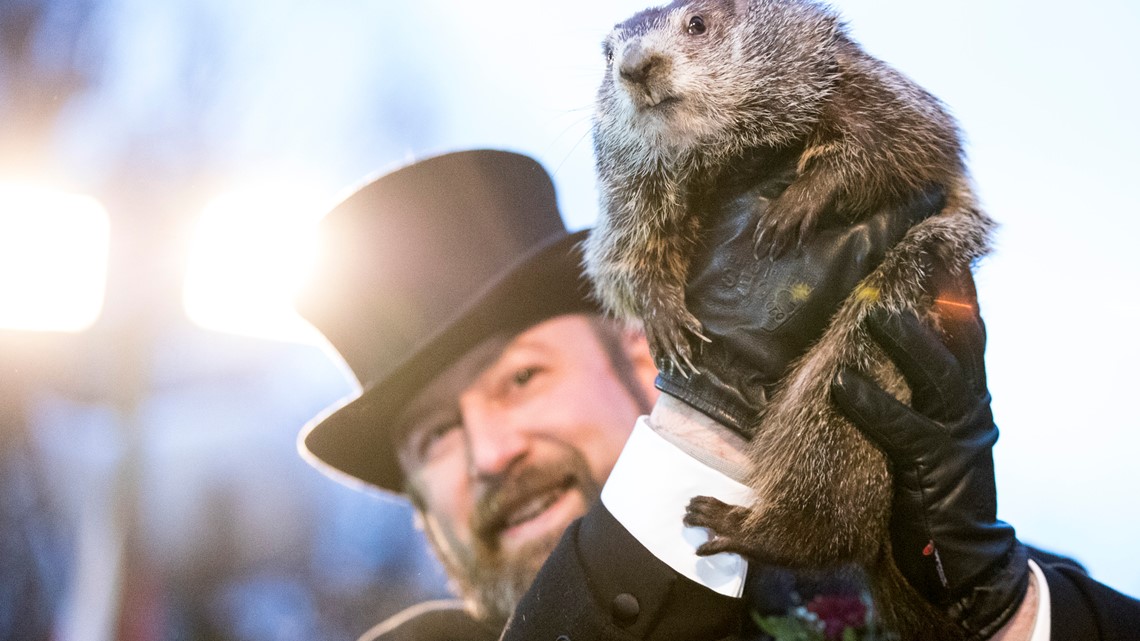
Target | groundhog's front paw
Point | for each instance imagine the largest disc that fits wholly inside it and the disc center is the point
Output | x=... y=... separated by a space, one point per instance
x=669 y=335
x=724 y=522
x=789 y=221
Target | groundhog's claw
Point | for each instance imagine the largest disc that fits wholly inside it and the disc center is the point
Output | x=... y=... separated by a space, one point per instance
x=723 y=521
x=775 y=236
x=789 y=221
x=668 y=337
x=668 y=344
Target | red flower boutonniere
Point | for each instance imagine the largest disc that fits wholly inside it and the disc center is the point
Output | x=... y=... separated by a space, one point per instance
x=824 y=618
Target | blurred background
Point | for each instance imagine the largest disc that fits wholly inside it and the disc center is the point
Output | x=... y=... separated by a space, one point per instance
x=162 y=160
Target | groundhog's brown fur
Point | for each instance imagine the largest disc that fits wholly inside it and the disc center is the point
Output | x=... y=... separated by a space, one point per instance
x=690 y=90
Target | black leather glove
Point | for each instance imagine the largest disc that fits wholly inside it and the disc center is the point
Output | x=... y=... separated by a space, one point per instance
x=761 y=314
x=945 y=535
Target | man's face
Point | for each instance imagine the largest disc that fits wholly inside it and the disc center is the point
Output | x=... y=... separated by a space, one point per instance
x=513 y=441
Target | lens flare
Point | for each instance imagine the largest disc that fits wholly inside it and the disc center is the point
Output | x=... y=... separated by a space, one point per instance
x=53 y=259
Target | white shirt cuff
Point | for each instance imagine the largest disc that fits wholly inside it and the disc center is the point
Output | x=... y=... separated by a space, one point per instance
x=647 y=492
x=1042 y=625
x=652 y=482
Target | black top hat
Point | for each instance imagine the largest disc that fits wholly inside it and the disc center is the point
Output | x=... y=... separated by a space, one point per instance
x=417 y=267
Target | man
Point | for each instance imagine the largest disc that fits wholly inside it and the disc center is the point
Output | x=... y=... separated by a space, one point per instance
x=468 y=252
x=499 y=401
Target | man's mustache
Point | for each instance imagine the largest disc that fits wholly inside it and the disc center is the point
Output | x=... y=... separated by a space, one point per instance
x=504 y=495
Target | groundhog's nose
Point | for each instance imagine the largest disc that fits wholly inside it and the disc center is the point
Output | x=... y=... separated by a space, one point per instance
x=637 y=64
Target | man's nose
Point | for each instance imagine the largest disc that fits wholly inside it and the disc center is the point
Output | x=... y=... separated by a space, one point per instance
x=494 y=442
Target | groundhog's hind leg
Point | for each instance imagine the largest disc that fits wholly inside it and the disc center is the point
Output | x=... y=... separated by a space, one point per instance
x=726 y=525
x=737 y=529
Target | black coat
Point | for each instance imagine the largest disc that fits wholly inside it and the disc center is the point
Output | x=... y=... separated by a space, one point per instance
x=600 y=584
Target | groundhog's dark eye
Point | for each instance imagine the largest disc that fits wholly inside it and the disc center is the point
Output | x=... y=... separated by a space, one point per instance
x=696 y=26
x=608 y=52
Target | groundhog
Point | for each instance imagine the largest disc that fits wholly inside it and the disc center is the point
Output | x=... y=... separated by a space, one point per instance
x=691 y=91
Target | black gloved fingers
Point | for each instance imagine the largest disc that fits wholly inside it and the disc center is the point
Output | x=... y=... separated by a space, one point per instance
x=895 y=428
x=938 y=388
x=964 y=334
x=963 y=331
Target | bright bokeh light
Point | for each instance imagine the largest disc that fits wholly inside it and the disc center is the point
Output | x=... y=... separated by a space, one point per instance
x=249 y=254
x=53 y=259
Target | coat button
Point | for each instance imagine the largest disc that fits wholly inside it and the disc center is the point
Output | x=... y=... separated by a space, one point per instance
x=562 y=637
x=625 y=609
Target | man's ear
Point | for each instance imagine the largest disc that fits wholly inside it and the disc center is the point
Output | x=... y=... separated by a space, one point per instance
x=637 y=350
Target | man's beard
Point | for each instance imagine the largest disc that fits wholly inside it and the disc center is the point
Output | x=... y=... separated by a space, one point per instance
x=492 y=580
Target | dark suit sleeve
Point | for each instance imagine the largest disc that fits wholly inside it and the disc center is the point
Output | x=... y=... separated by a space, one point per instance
x=601 y=583
x=1083 y=609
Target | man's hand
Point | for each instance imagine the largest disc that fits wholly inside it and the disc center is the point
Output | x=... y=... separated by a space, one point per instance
x=944 y=530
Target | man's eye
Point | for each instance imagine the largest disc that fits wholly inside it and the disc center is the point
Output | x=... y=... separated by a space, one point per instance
x=429 y=438
x=523 y=376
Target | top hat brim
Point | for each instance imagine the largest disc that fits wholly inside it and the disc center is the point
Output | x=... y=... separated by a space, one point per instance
x=353 y=440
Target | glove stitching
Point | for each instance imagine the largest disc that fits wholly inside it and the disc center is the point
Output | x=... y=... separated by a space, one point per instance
x=927 y=529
